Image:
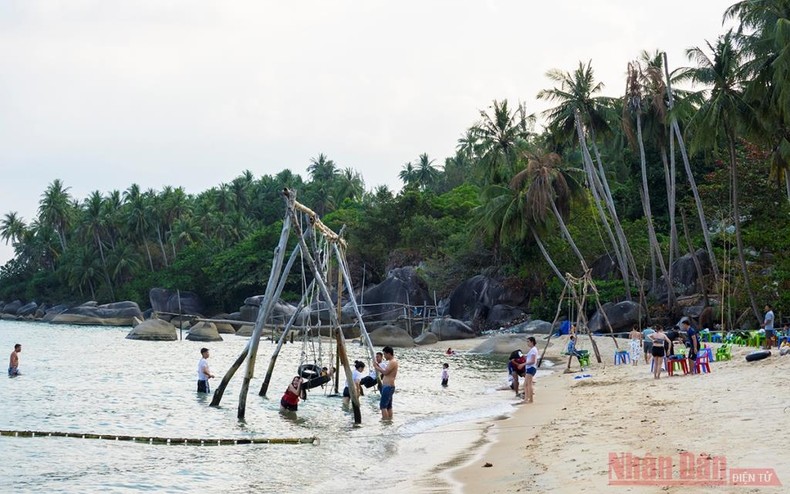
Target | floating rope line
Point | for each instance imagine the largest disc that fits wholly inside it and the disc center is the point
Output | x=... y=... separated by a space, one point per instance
x=166 y=440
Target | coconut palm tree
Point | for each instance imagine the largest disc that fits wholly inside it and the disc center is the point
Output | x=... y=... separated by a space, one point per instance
x=498 y=135
x=408 y=175
x=764 y=35
x=719 y=118
x=137 y=217
x=55 y=209
x=633 y=111
x=579 y=111
x=12 y=228
x=93 y=220
x=426 y=174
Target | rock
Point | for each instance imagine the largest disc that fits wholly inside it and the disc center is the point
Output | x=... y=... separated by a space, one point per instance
x=503 y=314
x=475 y=298
x=533 y=327
x=167 y=301
x=224 y=327
x=451 y=329
x=12 y=307
x=385 y=301
x=426 y=339
x=392 y=336
x=27 y=309
x=622 y=316
x=54 y=311
x=684 y=276
x=153 y=330
x=605 y=268
x=115 y=314
x=204 y=331
x=502 y=344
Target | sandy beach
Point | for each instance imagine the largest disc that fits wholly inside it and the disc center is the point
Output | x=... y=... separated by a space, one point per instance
x=731 y=419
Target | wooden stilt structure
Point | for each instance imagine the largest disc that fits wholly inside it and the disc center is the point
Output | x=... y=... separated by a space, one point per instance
x=274 y=288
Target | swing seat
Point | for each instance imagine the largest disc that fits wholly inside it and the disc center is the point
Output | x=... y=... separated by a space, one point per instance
x=309 y=371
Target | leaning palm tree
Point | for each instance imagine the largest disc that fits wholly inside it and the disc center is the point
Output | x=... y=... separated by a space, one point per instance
x=548 y=190
x=579 y=111
x=719 y=118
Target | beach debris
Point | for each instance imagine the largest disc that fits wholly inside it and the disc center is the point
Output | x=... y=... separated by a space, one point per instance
x=488 y=465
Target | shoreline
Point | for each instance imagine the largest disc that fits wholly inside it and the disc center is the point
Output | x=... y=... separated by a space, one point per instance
x=566 y=440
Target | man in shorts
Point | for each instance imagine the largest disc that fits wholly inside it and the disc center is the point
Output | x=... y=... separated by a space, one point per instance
x=13 y=363
x=768 y=325
x=388 y=375
x=203 y=372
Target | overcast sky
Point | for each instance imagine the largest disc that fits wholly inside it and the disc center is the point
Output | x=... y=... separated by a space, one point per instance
x=102 y=93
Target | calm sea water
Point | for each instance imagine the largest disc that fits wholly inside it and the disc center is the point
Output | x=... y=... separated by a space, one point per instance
x=93 y=380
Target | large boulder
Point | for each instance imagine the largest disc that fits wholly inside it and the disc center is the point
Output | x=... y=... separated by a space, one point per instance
x=532 y=327
x=168 y=301
x=153 y=330
x=385 y=301
x=27 y=309
x=502 y=344
x=391 y=336
x=684 y=276
x=281 y=312
x=115 y=314
x=605 y=268
x=451 y=329
x=204 y=331
x=12 y=308
x=426 y=339
x=475 y=299
x=224 y=327
x=53 y=311
x=622 y=316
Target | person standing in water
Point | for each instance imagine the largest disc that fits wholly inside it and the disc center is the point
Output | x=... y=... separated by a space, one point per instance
x=388 y=375
x=531 y=369
x=203 y=372
x=445 y=374
x=290 y=400
x=13 y=364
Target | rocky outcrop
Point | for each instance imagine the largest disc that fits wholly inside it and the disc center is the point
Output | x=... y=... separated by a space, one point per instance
x=605 y=268
x=426 y=339
x=385 y=301
x=204 y=331
x=12 y=307
x=115 y=314
x=164 y=300
x=684 y=276
x=53 y=311
x=451 y=329
x=475 y=299
x=392 y=336
x=224 y=327
x=153 y=330
x=502 y=344
x=27 y=310
x=532 y=327
x=622 y=316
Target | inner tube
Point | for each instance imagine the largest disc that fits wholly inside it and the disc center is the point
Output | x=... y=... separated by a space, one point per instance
x=754 y=356
x=309 y=371
x=316 y=381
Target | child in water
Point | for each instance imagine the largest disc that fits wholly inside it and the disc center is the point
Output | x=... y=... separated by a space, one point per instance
x=445 y=374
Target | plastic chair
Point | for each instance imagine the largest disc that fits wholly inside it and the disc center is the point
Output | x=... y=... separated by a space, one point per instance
x=584 y=359
x=653 y=363
x=622 y=357
x=677 y=362
x=705 y=336
x=702 y=364
x=724 y=352
x=715 y=337
x=707 y=351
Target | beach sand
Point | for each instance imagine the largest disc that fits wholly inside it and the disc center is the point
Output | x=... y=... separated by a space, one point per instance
x=738 y=414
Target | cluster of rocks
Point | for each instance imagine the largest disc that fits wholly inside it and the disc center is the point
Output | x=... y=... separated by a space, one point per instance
x=392 y=310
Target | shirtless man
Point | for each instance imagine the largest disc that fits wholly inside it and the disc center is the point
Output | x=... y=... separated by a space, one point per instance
x=13 y=364
x=388 y=374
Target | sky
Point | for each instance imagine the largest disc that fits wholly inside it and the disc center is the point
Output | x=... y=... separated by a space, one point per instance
x=102 y=94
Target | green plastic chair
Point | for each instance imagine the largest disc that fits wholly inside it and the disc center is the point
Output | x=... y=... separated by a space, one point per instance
x=724 y=352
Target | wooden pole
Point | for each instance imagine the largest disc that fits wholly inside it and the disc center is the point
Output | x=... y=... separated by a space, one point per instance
x=263 y=314
x=341 y=340
x=281 y=341
x=556 y=317
x=350 y=289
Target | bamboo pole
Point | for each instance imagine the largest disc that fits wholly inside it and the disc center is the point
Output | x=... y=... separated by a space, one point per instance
x=341 y=340
x=350 y=289
x=281 y=341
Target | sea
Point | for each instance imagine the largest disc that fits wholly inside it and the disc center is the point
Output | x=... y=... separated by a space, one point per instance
x=92 y=380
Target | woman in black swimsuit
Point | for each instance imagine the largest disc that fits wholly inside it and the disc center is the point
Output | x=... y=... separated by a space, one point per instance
x=660 y=344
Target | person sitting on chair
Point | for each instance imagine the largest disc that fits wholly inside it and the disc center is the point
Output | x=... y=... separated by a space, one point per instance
x=573 y=352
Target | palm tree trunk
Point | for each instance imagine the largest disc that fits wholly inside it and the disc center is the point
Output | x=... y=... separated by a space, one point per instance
x=694 y=259
x=656 y=248
x=737 y=218
x=568 y=237
x=669 y=178
x=787 y=183
x=104 y=265
x=690 y=175
x=148 y=251
x=161 y=245
x=546 y=254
